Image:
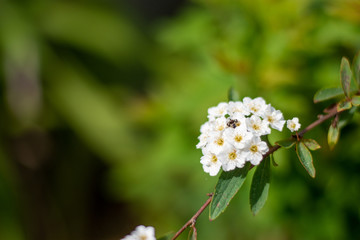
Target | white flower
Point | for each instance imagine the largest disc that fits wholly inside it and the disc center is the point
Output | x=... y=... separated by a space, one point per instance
x=257 y=126
x=232 y=158
x=219 y=124
x=141 y=233
x=206 y=127
x=255 y=150
x=239 y=137
x=203 y=140
x=293 y=124
x=256 y=106
x=219 y=111
x=237 y=108
x=274 y=117
x=217 y=143
x=210 y=162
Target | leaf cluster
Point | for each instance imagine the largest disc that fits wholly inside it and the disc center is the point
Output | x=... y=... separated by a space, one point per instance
x=349 y=99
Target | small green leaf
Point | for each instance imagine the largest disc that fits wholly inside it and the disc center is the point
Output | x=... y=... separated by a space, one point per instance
x=356 y=69
x=305 y=158
x=343 y=105
x=226 y=188
x=355 y=101
x=286 y=143
x=327 y=93
x=260 y=186
x=311 y=144
x=333 y=136
x=192 y=235
x=345 y=76
x=346 y=117
x=233 y=95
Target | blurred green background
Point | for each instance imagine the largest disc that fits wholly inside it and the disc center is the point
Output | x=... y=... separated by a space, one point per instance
x=102 y=101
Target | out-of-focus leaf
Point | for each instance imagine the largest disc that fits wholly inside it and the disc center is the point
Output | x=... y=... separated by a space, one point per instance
x=346 y=117
x=311 y=144
x=327 y=93
x=226 y=188
x=343 y=105
x=95 y=29
x=355 y=101
x=356 y=69
x=333 y=136
x=305 y=158
x=260 y=186
x=233 y=95
x=345 y=75
x=286 y=143
x=192 y=234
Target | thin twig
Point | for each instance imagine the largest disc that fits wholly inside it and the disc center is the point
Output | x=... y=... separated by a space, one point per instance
x=192 y=220
x=331 y=112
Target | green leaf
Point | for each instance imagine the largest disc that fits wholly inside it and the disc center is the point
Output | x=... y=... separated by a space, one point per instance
x=355 y=101
x=345 y=76
x=305 y=158
x=343 y=105
x=233 y=95
x=311 y=144
x=260 y=186
x=327 y=93
x=356 y=69
x=226 y=188
x=286 y=143
x=333 y=136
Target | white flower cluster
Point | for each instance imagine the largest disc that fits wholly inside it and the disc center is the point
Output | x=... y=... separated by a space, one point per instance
x=141 y=233
x=232 y=136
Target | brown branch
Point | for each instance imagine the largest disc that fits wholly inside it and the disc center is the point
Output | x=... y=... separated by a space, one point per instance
x=192 y=220
x=330 y=113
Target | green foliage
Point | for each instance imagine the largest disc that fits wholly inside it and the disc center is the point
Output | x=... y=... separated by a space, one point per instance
x=327 y=93
x=345 y=76
x=305 y=158
x=355 y=101
x=311 y=144
x=356 y=68
x=260 y=186
x=333 y=136
x=343 y=105
x=120 y=98
x=227 y=186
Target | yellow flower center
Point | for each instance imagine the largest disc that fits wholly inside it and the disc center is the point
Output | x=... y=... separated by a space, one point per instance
x=220 y=141
x=270 y=119
x=214 y=159
x=254 y=148
x=256 y=127
x=237 y=124
x=220 y=128
x=254 y=109
x=143 y=237
x=232 y=155
x=238 y=138
x=293 y=125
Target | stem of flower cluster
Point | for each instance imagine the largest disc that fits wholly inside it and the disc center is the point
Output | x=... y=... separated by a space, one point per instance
x=322 y=118
x=192 y=220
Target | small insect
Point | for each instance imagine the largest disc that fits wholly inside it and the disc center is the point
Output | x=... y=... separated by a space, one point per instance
x=233 y=123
